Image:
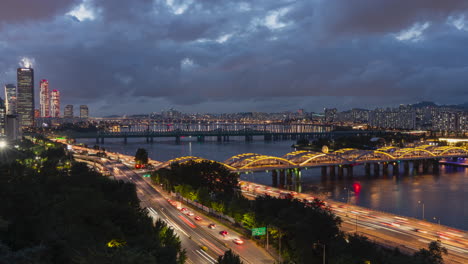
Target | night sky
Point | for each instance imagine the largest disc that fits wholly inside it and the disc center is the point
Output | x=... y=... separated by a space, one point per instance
x=140 y=56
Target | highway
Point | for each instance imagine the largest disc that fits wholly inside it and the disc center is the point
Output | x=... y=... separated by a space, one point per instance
x=386 y=229
x=202 y=244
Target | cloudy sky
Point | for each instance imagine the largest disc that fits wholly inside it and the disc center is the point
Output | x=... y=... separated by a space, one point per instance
x=140 y=56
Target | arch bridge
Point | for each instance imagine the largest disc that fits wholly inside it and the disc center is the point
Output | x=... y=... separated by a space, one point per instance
x=348 y=157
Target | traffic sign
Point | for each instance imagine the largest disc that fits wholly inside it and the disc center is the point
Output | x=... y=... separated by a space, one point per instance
x=260 y=231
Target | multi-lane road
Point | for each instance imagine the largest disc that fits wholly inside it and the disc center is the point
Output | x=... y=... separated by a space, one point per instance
x=387 y=229
x=202 y=244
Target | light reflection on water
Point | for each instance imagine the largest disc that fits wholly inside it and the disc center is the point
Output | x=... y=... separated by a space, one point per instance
x=445 y=194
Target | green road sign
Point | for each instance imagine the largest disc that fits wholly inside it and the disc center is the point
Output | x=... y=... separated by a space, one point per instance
x=259 y=231
x=147 y=175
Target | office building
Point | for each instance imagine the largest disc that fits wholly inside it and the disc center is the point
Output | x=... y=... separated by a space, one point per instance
x=12 y=127
x=68 y=111
x=2 y=117
x=44 y=98
x=25 y=97
x=84 y=112
x=55 y=103
x=10 y=99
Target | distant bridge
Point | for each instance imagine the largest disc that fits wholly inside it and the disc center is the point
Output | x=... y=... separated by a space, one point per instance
x=221 y=135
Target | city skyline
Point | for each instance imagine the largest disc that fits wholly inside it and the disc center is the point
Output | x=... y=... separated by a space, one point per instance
x=259 y=56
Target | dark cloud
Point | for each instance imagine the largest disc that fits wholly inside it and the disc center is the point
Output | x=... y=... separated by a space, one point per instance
x=222 y=55
x=19 y=11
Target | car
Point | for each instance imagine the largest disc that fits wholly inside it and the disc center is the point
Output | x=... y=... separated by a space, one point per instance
x=212 y=226
x=223 y=233
x=238 y=241
x=189 y=213
x=183 y=209
x=198 y=218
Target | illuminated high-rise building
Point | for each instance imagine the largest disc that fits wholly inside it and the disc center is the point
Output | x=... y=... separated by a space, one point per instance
x=2 y=117
x=44 y=98
x=25 y=97
x=10 y=99
x=84 y=112
x=68 y=111
x=55 y=103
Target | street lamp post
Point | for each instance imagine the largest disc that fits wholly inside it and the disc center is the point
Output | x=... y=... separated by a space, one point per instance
x=437 y=219
x=422 y=203
x=323 y=245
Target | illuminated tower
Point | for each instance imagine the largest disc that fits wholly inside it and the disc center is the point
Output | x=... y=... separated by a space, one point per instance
x=84 y=112
x=55 y=103
x=25 y=97
x=2 y=117
x=10 y=99
x=44 y=98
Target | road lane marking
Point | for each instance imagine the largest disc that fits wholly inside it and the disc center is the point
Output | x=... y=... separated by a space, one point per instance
x=209 y=258
x=212 y=246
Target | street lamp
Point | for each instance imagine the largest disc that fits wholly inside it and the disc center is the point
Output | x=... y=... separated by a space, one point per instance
x=3 y=144
x=422 y=203
x=436 y=219
x=323 y=245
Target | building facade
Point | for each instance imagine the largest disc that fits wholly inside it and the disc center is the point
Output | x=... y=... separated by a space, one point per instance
x=84 y=112
x=10 y=99
x=25 y=97
x=68 y=111
x=44 y=98
x=55 y=103
x=2 y=118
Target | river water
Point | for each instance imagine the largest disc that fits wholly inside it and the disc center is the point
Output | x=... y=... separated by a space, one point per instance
x=444 y=195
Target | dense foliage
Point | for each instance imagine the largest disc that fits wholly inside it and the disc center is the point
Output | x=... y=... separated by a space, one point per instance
x=204 y=174
x=55 y=210
x=229 y=258
x=141 y=156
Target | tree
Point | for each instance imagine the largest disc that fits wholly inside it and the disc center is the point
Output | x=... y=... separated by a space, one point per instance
x=433 y=255
x=229 y=258
x=141 y=156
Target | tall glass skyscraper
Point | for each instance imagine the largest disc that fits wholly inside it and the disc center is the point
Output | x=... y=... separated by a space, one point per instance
x=10 y=99
x=55 y=103
x=25 y=97
x=44 y=98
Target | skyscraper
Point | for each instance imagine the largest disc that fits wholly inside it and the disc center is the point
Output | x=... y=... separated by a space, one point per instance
x=10 y=99
x=25 y=97
x=68 y=111
x=2 y=117
x=84 y=113
x=44 y=98
x=55 y=103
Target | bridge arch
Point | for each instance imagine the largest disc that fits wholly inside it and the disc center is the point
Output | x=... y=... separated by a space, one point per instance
x=239 y=157
x=381 y=155
x=404 y=152
x=264 y=161
x=465 y=151
x=328 y=157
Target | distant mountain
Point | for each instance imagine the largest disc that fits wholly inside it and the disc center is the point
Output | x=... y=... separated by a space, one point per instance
x=424 y=104
x=464 y=106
